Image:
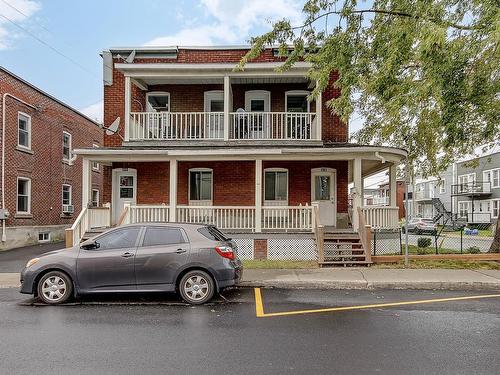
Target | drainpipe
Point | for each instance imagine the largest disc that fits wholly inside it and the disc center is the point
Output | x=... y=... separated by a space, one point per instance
x=377 y=154
x=5 y=95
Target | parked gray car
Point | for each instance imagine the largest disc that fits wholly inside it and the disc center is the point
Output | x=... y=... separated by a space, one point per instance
x=196 y=261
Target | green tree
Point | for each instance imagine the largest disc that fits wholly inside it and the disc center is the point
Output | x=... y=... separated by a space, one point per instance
x=424 y=74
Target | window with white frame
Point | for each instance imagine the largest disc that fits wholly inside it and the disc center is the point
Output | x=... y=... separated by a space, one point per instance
x=66 y=146
x=464 y=208
x=466 y=178
x=44 y=237
x=296 y=101
x=158 y=102
x=495 y=205
x=276 y=185
x=23 y=195
x=442 y=187
x=24 y=130
x=200 y=184
x=95 y=165
x=66 y=195
x=492 y=176
x=95 y=198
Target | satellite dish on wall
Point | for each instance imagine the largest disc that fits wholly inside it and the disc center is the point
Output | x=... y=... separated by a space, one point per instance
x=113 y=128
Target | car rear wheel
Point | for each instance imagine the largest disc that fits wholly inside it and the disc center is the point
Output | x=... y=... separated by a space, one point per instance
x=54 y=287
x=196 y=287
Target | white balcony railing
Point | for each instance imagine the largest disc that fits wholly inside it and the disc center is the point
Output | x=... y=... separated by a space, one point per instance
x=150 y=126
x=271 y=125
x=380 y=201
x=381 y=216
x=159 y=126
x=426 y=194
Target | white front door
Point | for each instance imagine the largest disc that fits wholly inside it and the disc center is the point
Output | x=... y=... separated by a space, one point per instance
x=257 y=101
x=124 y=190
x=214 y=121
x=323 y=194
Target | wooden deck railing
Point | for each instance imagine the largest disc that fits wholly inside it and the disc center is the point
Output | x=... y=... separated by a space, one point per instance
x=89 y=218
x=365 y=235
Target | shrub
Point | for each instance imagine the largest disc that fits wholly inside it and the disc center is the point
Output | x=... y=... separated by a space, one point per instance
x=424 y=242
x=473 y=250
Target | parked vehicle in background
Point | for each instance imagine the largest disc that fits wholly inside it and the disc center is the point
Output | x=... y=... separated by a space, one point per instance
x=419 y=225
x=193 y=260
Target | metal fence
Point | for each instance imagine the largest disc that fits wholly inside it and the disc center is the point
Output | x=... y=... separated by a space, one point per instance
x=463 y=241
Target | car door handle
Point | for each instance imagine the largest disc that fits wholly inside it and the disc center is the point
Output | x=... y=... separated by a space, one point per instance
x=127 y=255
x=180 y=251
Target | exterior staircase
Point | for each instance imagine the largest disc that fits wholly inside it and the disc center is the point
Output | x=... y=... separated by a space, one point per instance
x=339 y=248
x=93 y=232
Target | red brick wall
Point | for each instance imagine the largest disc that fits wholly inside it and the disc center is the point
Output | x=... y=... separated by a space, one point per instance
x=234 y=181
x=44 y=166
x=190 y=97
x=333 y=129
x=152 y=182
x=299 y=180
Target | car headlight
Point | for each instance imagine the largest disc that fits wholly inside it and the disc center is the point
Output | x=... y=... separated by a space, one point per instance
x=31 y=262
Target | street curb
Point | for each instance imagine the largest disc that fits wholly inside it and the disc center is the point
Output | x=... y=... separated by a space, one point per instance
x=363 y=285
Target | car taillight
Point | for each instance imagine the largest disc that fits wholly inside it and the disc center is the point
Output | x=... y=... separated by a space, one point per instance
x=225 y=252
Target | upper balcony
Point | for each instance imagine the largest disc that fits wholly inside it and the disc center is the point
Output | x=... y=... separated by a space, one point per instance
x=424 y=195
x=473 y=188
x=189 y=104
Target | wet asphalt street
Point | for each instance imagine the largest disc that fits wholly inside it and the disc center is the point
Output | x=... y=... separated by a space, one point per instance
x=159 y=335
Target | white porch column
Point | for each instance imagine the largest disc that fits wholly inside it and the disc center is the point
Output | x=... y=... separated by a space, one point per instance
x=258 y=195
x=357 y=200
x=227 y=105
x=319 y=106
x=392 y=185
x=172 y=200
x=128 y=101
x=86 y=182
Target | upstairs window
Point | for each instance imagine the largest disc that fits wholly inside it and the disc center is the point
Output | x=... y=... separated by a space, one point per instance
x=66 y=146
x=200 y=184
x=24 y=130
x=158 y=102
x=296 y=101
x=493 y=177
x=276 y=185
x=66 y=195
x=95 y=165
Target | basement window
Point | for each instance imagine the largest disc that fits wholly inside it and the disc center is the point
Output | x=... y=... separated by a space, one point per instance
x=43 y=236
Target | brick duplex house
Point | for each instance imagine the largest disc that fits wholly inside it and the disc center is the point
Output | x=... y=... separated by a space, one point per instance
x=192 y=140
x=41 y=179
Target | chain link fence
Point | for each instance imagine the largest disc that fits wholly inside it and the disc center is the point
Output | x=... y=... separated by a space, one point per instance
x=462 y=241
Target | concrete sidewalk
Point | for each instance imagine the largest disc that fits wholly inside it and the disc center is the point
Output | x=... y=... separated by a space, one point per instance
x=370 y=278
x=354 y=278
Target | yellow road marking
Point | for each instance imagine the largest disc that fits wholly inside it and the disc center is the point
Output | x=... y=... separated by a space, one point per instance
x=259 y=306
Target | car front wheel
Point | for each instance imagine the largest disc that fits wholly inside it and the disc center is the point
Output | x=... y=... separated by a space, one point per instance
x=54 y=287
x=196 y=287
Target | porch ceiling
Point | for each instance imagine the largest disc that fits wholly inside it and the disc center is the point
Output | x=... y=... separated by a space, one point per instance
x=219 y=80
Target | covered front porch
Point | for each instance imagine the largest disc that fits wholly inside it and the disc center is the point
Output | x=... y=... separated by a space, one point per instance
x=294 y=190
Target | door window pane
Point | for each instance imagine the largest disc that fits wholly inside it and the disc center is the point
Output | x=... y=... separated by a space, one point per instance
x=200 y=185
x=127 y=187
x=163 y=236
x=276 y=186
x=322 y=188
x=158 y=103
x=117 y=239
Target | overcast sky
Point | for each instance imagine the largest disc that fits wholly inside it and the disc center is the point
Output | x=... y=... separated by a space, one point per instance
x=35 y=34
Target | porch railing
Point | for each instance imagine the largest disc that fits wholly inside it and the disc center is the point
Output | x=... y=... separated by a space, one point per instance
x=224 y=217
x=271 y=125
x=288 y=218
x=89 y=218
x=381 y=216
x=148 y=213
x=152 y=126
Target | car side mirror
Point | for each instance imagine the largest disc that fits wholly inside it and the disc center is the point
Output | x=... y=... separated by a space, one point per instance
x=89 y=245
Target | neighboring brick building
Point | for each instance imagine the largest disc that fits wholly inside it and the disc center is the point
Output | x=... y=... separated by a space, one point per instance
x=42 y=176
x=191 y=139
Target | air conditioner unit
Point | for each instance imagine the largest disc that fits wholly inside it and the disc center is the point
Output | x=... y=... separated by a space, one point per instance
x=67 y=208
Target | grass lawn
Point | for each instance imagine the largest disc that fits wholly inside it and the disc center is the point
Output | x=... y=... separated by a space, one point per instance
x=448 y=264
x=279 y=264
x=412 y=249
